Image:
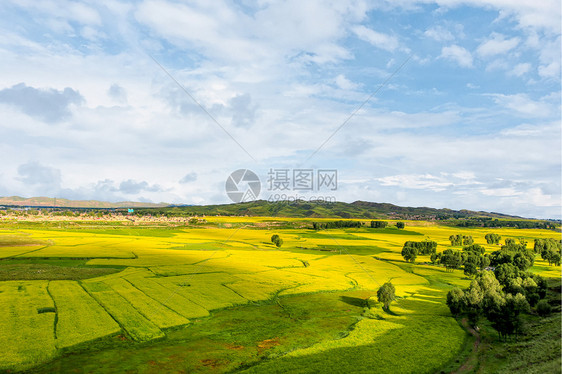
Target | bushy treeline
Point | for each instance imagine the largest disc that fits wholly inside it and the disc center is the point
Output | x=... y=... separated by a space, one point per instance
x=378 y=224
x=336 y=225
x=471 y=258
x=489 y=222
x=549 y=249
x=493 y=238
x=500 y=300
x=516 y=254
x=458 y=240
x=412 y=249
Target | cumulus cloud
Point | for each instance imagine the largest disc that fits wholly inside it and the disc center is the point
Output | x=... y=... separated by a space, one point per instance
x=378 y=39
x=522 y=104
x=497 y=45
x=457 y=54
x=117 y=93
x=439 y=33
x=188 y=178
x=36 y=174
x=50 y=105
x=520 y=69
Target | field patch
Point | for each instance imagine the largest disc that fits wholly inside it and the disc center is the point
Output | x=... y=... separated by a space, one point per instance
x=27 y=320
x=79 y=317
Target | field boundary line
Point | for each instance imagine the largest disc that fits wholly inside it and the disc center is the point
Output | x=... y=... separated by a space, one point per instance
x=150 y=297
x=175 y=291
x=123 y=330
x=56 y=321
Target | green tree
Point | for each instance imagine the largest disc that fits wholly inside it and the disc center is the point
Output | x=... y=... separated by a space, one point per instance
x=543 y=308
x=378 y=224
x=386 y=294
x=456 y=301
x=409 y=254
x=451 y=259
x=492 y=238
x=470 y=269
x=275 y=239
x=400 y=225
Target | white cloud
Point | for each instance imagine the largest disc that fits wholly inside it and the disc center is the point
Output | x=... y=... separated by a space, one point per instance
x=524 y=105
x=344 y=83
x=497 y=45
x=281 y=77
x=439 y=33
x=416 y=181
x=541 y=15
x=379 y=40
x=521 y=69
x=458 y=54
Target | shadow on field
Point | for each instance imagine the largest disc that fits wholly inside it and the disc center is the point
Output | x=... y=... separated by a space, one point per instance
x=355 y=301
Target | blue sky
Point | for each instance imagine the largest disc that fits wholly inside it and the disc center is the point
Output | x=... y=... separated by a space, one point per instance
x=471 y=121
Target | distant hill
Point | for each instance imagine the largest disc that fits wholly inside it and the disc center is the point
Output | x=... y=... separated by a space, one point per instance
x=357 y=209
x=65 y=203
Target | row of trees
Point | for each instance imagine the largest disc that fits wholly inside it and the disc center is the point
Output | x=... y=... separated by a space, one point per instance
x=549 y=249
x=493 y=238
x=352 y=224
x=411 y=249
x=501 y=302
x=519 y=224
x=378 y=224
x=472 y=258
x=336 y=225
x=458 y=240
x=513 y=258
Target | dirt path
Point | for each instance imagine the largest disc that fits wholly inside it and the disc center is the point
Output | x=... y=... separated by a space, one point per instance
x=470 y=361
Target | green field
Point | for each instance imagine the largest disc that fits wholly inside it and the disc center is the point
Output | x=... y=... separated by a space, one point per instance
x=221 y=297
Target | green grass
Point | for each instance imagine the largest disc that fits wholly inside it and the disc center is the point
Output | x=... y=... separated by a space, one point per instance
x=12 y=270
x=223 y=342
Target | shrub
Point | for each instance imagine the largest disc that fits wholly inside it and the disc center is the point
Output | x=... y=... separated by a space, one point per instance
x=543 y=308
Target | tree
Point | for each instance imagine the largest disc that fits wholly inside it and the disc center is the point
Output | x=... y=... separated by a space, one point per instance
x=433 y=258
x=470 y=269
x=543 y=308
x=451 y=259
x=400 y=225
x=505 y=272
x=504 y=313
x=484 y=262
x=455 y=301
x=386 y=294
x=509 y=241
x=276 y=239
x=409 y=254
x=425 y=247
x=492 y=238
x=477 y=248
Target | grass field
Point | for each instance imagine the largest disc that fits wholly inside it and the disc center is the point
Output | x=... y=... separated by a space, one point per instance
x=221 y=297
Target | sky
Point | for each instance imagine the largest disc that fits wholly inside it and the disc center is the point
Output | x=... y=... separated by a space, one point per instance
x=447 y=104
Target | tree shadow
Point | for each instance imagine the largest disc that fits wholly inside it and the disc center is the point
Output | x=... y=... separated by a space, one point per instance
x=355 y=301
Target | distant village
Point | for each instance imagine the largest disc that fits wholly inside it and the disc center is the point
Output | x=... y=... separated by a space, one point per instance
x=128 y=216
